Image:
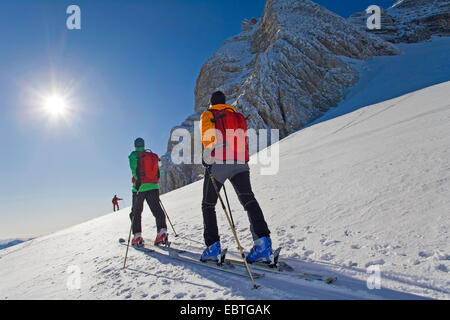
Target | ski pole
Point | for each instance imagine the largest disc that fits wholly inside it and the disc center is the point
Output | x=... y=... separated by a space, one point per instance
x=228 y=204
x=255 y=286
x=128 y=245
x=164 y=209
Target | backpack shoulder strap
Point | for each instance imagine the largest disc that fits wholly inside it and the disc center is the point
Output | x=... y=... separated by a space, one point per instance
x=216 y=117
x=231 y=109
x=140 y=155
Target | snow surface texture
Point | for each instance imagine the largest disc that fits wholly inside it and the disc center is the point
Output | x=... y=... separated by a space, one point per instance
x=282 y=71
x=367 y=188
x=410 y=20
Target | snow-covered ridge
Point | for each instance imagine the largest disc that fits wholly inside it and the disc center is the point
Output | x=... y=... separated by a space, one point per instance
x=282 y=71
x=397 y=3
x=6 y=243
x=410 y=20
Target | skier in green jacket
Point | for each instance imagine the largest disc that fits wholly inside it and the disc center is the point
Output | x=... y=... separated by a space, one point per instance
x=146 y=173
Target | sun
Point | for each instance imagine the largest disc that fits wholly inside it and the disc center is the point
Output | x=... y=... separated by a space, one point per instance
x=55 y=105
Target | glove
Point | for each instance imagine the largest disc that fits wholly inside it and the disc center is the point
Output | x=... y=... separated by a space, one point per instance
x=207 y=164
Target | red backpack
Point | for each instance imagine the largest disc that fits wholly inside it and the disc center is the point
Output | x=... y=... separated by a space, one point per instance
x=232 y=145
x=147 y=169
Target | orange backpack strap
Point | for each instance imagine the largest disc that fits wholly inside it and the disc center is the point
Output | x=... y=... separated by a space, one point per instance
x=148 y=169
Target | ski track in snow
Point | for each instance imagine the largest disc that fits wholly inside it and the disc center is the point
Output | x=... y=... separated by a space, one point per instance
x=367 y=188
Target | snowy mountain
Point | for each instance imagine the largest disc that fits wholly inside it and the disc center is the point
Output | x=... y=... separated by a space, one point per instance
x=12 y=242
x=410 y=20
x=366 y=185
x=282 y=71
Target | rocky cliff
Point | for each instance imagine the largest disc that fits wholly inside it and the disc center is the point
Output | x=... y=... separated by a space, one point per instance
x=410 y=20
x=282 y=71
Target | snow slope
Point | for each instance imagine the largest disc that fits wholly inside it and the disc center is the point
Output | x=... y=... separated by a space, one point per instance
x=419 y=66
x=370 y=187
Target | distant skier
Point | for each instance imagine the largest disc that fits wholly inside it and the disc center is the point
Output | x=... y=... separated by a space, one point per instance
x=146 y=173
x=115 y=202
x=221 y=117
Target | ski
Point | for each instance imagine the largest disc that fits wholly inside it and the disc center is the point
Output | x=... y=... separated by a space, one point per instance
x=167 y=247
x=152 y=245
x=143 y=249
x=288 y=271
x=274 y=266
x=317 y=277
x=280 y=267
x=221 y=265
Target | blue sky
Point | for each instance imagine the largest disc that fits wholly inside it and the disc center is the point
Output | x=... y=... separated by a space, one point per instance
x=129 y=72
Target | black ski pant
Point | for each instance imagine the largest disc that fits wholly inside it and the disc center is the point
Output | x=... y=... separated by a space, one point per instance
x=242 y=186
x=152 y=198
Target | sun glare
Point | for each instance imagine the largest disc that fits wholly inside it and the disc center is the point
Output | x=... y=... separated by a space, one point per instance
x=55 y=105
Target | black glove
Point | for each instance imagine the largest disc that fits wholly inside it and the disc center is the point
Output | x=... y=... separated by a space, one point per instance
x=137 y=184
x=207 y=164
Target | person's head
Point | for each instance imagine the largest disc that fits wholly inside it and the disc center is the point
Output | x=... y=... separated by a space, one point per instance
x=218 y=97
x=139 y=143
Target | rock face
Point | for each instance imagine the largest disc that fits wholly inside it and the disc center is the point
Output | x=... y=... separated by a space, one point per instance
x=282 y=71
x=410 y=20
x=175 y=176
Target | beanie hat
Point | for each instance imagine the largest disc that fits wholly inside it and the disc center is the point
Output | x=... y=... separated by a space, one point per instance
x=218 y=98
x=139 y=143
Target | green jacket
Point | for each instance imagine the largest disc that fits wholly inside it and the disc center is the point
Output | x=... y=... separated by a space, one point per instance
x=133 y=158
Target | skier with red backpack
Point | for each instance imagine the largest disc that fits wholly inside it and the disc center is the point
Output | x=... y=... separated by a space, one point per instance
x=115 y=202
x=223 y=131
x=144 y=166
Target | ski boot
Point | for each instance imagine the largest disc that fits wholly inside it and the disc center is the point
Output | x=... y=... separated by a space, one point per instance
x=137 y=241
x=212 y=253
x=162 y=238
x=261 y=251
